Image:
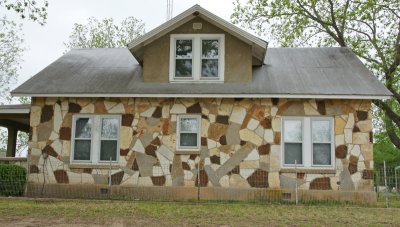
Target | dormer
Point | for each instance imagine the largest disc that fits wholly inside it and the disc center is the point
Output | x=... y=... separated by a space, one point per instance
x=198 y=47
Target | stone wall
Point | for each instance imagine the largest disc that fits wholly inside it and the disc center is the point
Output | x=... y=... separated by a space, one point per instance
x=240 y=143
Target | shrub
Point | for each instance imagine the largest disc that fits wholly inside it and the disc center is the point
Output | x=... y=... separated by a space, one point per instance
x=12 y=180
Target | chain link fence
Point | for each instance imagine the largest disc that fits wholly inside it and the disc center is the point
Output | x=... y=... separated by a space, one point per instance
x=240 y=184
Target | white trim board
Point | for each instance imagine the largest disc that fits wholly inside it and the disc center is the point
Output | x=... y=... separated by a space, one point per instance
x=135 y=95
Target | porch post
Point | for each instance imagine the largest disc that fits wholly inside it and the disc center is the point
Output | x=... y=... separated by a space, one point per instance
x=12 y=141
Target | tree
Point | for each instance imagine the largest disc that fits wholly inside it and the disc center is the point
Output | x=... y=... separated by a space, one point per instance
x=27 y=9
x=104 y=34
x=11 y=49
x=371 y=28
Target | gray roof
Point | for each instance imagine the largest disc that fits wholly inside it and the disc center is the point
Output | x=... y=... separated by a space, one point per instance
x=288 y=72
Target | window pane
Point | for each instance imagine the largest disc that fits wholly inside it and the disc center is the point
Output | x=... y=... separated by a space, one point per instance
x=321 y=154
x=209 y=68
x=183 y=48
x=293 y=131
x=321 y=131
x=83 y=127
x=293 y=151
x=188 y=140
x=210 y=48
x=82 y=150
x=183 y=68
x=189 y=124
x=109 y=128
x=108 y=149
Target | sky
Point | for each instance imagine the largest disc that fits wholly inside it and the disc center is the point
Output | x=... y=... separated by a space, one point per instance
x=46 y=43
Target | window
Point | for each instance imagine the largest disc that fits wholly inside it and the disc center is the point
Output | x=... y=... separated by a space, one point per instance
x=95 y=138
x=188 y=133
x=197 y=58
x=308 y=141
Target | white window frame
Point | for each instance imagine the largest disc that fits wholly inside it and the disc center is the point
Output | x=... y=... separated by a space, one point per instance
x=95 y=146
x=197 y=57
x=178 y=133
x=307 y=142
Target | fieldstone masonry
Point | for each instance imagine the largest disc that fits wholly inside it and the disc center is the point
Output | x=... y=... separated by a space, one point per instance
x=240 y=143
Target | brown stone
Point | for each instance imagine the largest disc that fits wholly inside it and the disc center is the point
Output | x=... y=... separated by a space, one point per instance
x=193 y=156
x=216 y=130
x=341 y=151
x=65 y=133
x=258 y=112
x=215 y=159
x=61 y=176
x=371 y=137
x=50 y=151
x=242 y=143
x=151 y=150
x=353 y=164
x=292 y=108
x=322 y=183
x=67 y=121
x=44 y=130
x=165 y=126
x=275 y=101
x=356 y=129
x=368 y=174
x=222 y=119
x=321 y=107
x=195 y=109
x=185 y=166
x=157 y=112
x=266 y=123
x=235 y=170
x=300 y=176
x=203 y=179
x=277 y=137
x=87 y=170
x=135 y=166
x=264 y=149
x=123 y=152
x=99 y=106
x=203 y=141
x=158 y=181
x=259 y=179
x=116 y=178
x=362 y=115
x=222 y=140
x=127 y=120
x=33 y=169
x=47 y=113
x=74 y=108
x=245 y=121
x=156 y=142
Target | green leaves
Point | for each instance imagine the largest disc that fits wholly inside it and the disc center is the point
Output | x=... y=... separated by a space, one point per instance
x=104 y=33
x=28 y=9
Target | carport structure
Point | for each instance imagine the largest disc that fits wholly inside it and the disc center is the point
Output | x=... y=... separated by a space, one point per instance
x=15 y=118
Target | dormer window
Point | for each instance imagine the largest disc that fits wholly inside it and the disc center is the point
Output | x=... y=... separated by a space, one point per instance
x=197 y=58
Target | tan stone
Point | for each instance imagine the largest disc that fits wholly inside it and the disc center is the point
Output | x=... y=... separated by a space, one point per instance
x=275 y=158
x=250 y=164
x=119 y=108
x=310 y=110
x=148 y=112
x=339 y=140
x=253 y=123
x=350 y=121
x=36 y=111
x=88 y=109
x=66 y=148
x=126 y=137
x=276 y=124
x=245 y=173
x=205 y=124
x=274 y=110
x=253 y=156
x=360 y=138
x=273 y=180
x=365 y=126
x=216 y=130
x=225 y=108
x=333 y=181
x=178 y=109
x=339 y=125
x=348 y=135
x=238 y=115
x=247 y=135
x=138 y=147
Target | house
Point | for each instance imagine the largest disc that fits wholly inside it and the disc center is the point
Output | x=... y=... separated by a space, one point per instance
x=198 y=93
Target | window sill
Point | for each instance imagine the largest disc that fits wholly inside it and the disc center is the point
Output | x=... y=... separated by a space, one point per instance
x=315 y=170
x=94 y=166
x=183 y=152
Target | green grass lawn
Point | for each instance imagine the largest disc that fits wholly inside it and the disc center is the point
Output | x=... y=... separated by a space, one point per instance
x=30 y=212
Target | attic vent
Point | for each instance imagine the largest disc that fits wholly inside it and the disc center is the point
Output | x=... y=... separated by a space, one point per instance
x=197 y=26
